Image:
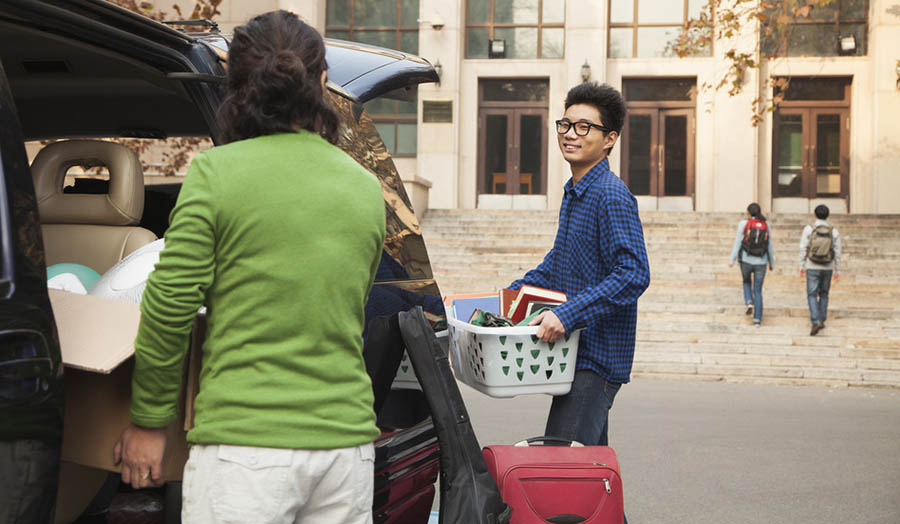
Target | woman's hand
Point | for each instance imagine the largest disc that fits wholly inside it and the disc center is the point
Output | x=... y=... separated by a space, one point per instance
x=141 y=450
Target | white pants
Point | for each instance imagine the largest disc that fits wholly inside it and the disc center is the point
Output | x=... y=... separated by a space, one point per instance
x=241 y=484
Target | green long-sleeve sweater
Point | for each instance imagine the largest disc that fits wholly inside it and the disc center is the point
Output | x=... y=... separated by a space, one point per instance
x=279 y=236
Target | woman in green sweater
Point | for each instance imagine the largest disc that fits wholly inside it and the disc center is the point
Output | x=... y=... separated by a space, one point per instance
x=279 y=234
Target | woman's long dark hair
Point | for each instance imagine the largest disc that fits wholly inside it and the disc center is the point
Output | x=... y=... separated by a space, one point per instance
x=755 y=212
x=273 y=84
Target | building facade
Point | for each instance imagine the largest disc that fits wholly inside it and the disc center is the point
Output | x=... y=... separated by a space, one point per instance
x=484 y=137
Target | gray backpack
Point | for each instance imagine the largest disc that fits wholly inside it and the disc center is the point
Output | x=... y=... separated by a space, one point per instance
x=821 y=245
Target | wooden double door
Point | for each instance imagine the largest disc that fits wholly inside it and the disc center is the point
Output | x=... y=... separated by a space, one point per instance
x=658 y=151
x=513 y=150
x=811 y=152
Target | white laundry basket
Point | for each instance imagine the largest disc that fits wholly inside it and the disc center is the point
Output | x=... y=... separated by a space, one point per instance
x=406 y=376
x=509 y=361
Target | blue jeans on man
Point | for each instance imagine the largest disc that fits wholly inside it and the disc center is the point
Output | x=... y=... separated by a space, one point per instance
x=818 y=283
x=753 y=276
x=583 y=413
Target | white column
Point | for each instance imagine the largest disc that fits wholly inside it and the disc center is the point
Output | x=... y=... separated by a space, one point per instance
x=438 y=143
x=735 y=159
x=884 y=41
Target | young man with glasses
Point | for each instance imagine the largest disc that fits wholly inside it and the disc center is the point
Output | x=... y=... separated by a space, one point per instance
x=598 y=260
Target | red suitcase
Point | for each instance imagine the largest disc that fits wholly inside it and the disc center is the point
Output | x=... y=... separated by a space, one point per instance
x=558 y=484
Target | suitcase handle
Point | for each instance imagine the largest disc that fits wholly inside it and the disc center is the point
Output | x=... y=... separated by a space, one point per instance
x=557 y=442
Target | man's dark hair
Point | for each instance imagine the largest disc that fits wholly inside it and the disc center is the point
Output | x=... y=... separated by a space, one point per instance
x=273 y=84
x=605 y=98
x=821 y=211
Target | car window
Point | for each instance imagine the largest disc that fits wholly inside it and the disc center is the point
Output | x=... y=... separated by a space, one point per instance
x=165 y=162
x=159 y=157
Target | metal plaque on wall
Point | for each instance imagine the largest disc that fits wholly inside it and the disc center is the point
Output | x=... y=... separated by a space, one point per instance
x=437 y=111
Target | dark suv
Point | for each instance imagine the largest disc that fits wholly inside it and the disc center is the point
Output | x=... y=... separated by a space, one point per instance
x=84 y=69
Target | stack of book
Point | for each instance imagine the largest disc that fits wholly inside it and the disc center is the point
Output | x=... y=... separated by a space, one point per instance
x=512 y=305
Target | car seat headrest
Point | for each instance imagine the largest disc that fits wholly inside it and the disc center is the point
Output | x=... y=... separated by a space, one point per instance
x=122 y=206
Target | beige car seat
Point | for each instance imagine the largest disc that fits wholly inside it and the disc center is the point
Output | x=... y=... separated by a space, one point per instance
x=94 y=230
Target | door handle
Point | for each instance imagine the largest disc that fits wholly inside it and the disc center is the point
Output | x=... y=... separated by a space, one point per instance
x=25 y=367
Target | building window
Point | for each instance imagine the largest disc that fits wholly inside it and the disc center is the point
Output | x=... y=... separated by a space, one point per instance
x=527 y=28
x=837 y=28
x=811 y=138
x=385 y=23
x=647 y=28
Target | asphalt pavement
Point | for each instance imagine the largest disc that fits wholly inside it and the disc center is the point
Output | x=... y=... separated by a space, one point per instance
x=709 y=452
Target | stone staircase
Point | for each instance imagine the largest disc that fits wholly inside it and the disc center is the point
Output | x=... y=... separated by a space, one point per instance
x=691 y=320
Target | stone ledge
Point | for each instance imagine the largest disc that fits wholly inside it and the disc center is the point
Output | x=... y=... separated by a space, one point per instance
x=417 y=190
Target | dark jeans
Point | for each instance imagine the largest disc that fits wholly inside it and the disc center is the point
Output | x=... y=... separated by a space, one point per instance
x=583 y=413
x=753 y=281
x=818 y=283
x=30 y=471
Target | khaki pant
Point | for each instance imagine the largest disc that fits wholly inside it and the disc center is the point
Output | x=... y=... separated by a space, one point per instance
x=242 y=484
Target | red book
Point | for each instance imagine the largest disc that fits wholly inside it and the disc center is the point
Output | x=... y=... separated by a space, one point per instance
x=528 y=294
x=507 y=297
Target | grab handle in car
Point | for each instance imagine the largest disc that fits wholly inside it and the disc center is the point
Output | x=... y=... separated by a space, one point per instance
x=7 y=270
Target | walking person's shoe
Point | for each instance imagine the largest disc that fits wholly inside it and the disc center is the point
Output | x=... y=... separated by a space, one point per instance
x=749 y=308
x=756 y=323
x=816 y=328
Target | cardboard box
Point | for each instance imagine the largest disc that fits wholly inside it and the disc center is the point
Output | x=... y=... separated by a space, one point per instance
x=96 y=338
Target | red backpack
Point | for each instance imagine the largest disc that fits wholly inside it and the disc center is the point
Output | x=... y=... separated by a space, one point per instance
x=756 y=237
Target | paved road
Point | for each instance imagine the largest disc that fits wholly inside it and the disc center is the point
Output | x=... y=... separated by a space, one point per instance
x=696 y=453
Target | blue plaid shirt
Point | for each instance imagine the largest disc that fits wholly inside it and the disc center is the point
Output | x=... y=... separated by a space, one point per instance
x=599 y=261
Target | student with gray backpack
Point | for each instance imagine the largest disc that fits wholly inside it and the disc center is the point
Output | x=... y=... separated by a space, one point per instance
x=753 y=249
x=820 y=258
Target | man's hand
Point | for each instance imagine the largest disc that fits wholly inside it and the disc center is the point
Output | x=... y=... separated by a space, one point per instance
x=549 y=326
x=731 y=264
x=837 y=277
x=802 y=272
x=141 y=450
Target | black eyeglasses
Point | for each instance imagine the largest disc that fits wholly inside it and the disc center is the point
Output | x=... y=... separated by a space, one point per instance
x=581 y=128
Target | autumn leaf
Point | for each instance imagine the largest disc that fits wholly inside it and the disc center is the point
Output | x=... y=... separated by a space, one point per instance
x=803 y=11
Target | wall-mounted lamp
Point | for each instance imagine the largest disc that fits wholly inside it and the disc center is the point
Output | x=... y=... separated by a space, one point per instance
x=497 y=48
x=439 y=69
x=847 y=44
x=897 y=70
x=437 y=21
x=585 y=71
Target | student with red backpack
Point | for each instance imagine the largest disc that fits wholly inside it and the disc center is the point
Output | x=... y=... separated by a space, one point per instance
x=753 y=249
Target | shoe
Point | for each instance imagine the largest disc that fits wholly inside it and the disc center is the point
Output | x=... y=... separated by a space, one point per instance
x=749 y=308
x=815 y=329
x=756 y=323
